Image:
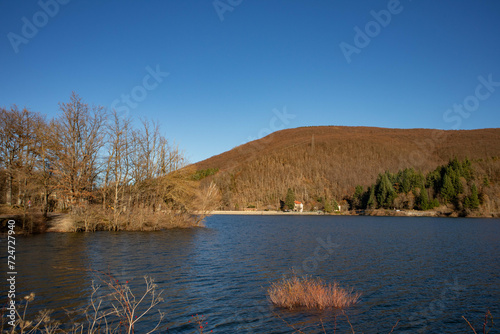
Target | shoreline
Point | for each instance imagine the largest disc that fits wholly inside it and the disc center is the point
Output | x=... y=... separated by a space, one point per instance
x=373 y=213
x=267 y=213
x=60 y=222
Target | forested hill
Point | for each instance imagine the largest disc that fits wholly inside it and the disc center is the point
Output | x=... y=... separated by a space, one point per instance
x=329 y=161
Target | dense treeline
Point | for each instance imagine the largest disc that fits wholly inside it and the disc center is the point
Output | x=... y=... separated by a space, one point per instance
x=94 y=165
x=323 y=166
x=454 y=183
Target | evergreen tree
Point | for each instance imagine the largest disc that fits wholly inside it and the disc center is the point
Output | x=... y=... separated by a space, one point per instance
x=472 y=201
x=418 y=180
x=447 y=190
x=371 y=202
x=423 y=199
x=290 y=199
x=327 y=206
x=433 y=179
x=455 y=165
x=409 y=180
x=455 y=179
x=357 y=198
x=434 y=203
x=467 y=172
x=385 y=192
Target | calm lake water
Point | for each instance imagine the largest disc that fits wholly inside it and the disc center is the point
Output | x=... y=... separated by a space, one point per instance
x=425 y=272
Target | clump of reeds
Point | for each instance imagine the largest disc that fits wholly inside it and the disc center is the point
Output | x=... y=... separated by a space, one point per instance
x=311 y=293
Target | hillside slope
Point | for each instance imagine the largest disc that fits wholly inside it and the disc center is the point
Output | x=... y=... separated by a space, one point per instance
x=329 y=161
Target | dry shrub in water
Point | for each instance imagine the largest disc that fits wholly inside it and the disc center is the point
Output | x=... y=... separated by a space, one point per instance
x=311 y=293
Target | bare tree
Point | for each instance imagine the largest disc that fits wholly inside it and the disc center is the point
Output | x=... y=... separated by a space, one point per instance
x=79 y=136
x=118 y=167
x=19 y=154
x=10 y=146
x=45 y=174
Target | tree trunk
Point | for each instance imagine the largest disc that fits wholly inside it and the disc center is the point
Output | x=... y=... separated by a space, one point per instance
x=19 y=192
x=45 y=203
x=9 y=189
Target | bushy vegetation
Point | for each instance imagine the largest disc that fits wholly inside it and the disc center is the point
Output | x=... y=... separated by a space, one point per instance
x=201 y=174
x=450 y=184
x=310 y=293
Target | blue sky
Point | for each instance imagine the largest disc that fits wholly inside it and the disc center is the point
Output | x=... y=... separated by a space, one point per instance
x=238 y=69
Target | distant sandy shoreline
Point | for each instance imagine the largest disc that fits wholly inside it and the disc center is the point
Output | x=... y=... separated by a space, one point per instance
x=270 y=213
x=408 y=213
x=378 y=212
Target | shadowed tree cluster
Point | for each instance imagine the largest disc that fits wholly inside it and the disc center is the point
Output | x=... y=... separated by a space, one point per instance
x=452 y=184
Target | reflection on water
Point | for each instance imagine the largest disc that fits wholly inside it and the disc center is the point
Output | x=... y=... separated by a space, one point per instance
x=424 y=272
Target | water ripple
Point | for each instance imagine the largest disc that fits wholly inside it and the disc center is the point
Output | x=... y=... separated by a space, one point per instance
x=424 y=272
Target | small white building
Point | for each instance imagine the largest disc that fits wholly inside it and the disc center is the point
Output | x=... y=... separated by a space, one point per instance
x=298 y=206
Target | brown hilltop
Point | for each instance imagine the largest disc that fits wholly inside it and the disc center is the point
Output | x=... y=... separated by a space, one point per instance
x=331 y=160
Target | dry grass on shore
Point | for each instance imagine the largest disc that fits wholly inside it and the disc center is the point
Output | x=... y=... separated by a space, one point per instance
x=311 y=293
